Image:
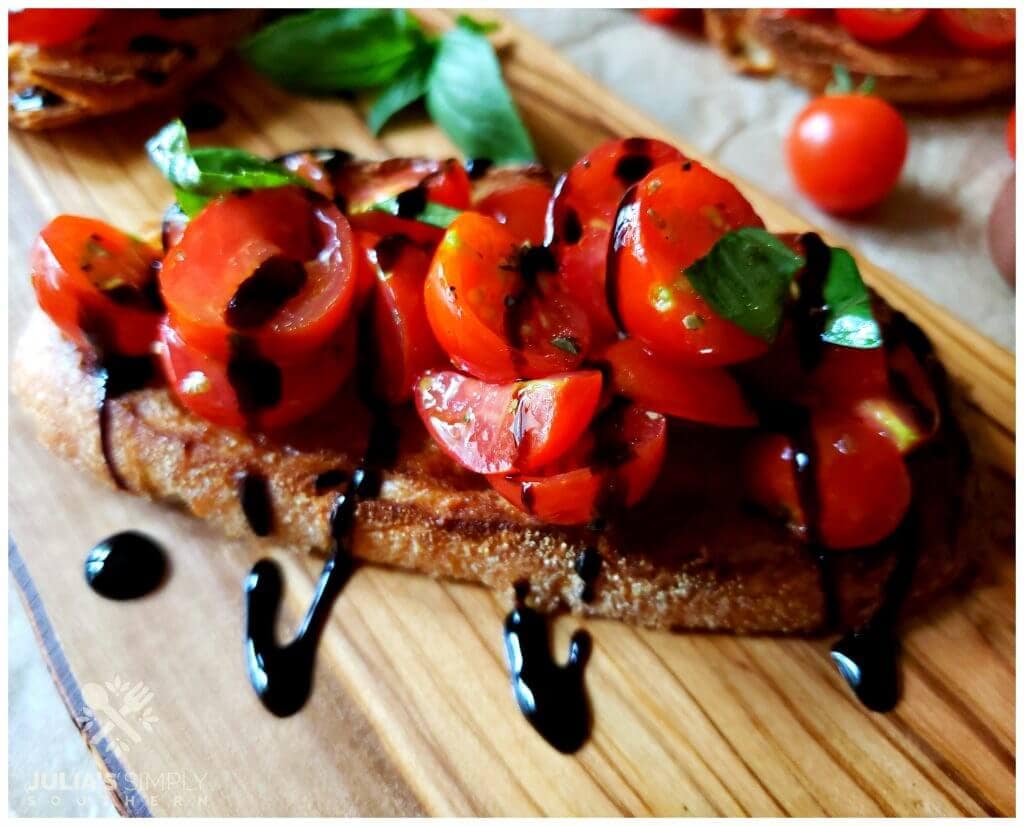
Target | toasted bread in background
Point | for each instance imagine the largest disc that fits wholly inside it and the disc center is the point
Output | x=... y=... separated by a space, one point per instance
x=921 y=68
x=690 y=555
x=130 y=57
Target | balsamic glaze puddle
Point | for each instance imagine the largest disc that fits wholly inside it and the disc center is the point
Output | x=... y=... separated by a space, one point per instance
x=552 y=697
x=126 y=565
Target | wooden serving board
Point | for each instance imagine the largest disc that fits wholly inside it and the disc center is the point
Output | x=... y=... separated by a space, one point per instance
x=411 y=711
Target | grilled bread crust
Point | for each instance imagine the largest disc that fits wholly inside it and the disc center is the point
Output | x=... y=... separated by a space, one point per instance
x=126 y=60
x=921 y=68
x=691 y=555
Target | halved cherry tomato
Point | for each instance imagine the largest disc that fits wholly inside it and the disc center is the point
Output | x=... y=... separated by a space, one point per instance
x=250 y=391
x=522 y=208
x=673 y=217
x=49 y=27
x=493 y=307
x=98 y=285
x=315 y=166
x=501 y=428
x=276 y=265
x=908 y=411
x=978 y=29
x=405 y=344
x=862 y=481
x=583 y=213
x=700 y=394
x=845 y=152
x=880 y=25
x=614 y=468
x=770 y=479
x=846 y=375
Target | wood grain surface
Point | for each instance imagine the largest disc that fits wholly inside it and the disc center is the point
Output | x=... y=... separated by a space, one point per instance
x=411 y=711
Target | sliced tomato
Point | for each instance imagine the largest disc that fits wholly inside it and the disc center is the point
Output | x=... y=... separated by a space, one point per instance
x=978 y=29
x=583 y=213
x=880 y=25
x=405 y=344
x=316 y=166
x=669 y=220
x=500 y=428
x=701 y=394
x=615 y=468
x=522 y=208
x=862 y=481
x=250 y=391
x=276 y=265
x=494 y=308
x=98 y=284
x=770 y=479
x=50 y=27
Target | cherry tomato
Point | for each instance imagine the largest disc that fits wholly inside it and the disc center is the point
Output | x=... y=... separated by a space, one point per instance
x=98 y=285
x=49 y=27
x=583 y=213
x=845 y=152
x=522 y=208
x=405 y=344
x=500 y=428
x=1011 y=133
x=173 y=226
x=275 y=265
x=315 y=166
x=770 y=479
x=862 y=482
x=618 y=467
x=675 y=215
x=661 y=16
x=978 y=29
x=251 y=391
x=880 y=25
x=708 y=395
x=907 y=410
x=492 y=306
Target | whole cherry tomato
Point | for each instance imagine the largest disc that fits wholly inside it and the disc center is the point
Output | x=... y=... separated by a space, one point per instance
x=978 y=29
x=275 y=265
x=494 y=308
x=49 y=27
x=405 y=344
x=98 y=285
x=614 y=468
x=501 y=428
x=670 y=219
x=700 y=394
x=862 y=481
x=583 y=213
x=880 y=25
x=251 y=391
x=845 y=152
x=522 y=208
x=661 y=16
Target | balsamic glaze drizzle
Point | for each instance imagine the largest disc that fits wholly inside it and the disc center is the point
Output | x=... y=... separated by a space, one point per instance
x=125 y=566
x=476 y=168
x=203 y=115
x=552 y=697
x=254 y=495
x=116 y=376
x=588 y=567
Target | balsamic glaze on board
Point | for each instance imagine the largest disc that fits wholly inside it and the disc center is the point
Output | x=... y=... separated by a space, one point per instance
x=125 y=566
x=551 y=696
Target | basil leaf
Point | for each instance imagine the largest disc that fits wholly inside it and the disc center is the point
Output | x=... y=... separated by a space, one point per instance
x=745 y=278
x=200 y=174
x=468 y=99
x=437 y=215
x=409 y=87
x=330 y=50
x=849 y=321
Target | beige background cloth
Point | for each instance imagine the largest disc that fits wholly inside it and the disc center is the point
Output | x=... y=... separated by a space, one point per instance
x=931 y=232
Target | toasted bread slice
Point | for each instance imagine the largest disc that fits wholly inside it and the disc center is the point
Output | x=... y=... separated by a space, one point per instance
x=128 y=58
x=920 y=68
x=690 y=556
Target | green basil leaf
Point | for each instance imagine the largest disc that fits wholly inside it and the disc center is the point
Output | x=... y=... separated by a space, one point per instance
x=849 y=321
x=745 y=278
x=478 y=26
x=468 y=99
x=437 y=215
x=200 y=174
x=409 y=87
x=330 y=50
